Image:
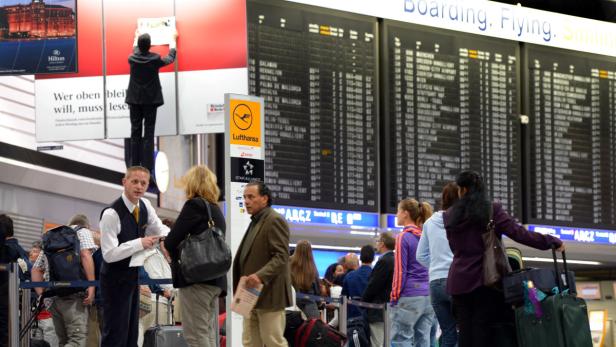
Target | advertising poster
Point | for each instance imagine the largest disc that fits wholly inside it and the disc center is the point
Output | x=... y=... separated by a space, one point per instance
x=211 y=61
x=69 y=106
x=38 y=36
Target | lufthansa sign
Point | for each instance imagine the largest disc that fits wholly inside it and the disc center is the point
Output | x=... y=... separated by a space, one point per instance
x=245 y=122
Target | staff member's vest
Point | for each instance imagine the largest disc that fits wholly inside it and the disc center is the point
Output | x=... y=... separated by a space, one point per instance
x=130 y=230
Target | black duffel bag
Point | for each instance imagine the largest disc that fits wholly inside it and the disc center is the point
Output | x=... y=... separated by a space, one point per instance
x=543 y=279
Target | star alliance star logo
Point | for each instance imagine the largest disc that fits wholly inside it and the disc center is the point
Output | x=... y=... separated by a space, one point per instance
x=248 y=168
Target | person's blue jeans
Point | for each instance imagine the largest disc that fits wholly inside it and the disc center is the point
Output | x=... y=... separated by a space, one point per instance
x=433 y=331
x=441 y=302
x=411 y=321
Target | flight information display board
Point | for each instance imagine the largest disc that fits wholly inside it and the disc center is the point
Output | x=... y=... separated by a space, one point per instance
x=573 y=138
x=317 y=72
x=450 y=105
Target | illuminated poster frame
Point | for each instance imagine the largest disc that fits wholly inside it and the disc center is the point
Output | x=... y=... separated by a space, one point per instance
x=38 y=37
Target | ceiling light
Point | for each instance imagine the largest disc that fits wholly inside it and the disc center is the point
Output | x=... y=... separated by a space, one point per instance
x=333 y=248
x=365 y=233
x=550 y=260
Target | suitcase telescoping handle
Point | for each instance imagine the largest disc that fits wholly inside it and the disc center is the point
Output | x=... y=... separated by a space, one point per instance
x=169 y=310
x=156 y=304
x=561 y=286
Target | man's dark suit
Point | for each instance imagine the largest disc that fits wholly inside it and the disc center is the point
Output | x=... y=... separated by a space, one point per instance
x=143 y=96
x=379 y=285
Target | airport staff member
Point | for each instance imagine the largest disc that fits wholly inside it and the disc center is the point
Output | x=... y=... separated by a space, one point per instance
x=143 y=96
x=124 y=226
x=263 y=258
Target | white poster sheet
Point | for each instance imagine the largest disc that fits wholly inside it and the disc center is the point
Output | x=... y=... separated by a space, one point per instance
x=161 y=29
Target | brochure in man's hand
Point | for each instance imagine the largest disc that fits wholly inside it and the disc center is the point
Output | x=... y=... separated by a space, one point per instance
x=245 y=298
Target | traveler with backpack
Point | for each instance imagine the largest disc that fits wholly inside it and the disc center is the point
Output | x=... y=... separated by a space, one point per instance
x=67 y=256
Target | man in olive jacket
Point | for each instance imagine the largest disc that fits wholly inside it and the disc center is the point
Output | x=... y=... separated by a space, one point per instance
x=262 y=258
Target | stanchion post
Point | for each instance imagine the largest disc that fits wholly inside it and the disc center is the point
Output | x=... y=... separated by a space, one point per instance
x=342 y=316
x=386 y=325
x=26 y=313
x=13 y=305
x=216 y=310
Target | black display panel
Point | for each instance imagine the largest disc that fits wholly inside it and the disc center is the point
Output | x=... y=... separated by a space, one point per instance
x=572 y=138
x=317 y=72
x=450 y=104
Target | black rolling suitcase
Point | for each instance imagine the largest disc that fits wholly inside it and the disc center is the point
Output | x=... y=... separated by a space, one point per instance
x=563 y=323
x=164 y=335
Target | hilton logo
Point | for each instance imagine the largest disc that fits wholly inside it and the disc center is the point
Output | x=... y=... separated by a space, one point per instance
x=55 y=57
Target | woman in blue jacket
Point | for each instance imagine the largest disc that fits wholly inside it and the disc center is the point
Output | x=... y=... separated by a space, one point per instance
x=434 y=253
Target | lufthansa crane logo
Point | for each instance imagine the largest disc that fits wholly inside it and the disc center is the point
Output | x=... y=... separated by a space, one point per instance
x=242 y=117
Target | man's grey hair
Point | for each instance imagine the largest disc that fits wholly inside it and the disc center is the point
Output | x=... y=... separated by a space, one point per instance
x=80 y=220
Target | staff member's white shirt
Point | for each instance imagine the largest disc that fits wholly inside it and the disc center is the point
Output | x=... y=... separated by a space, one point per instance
x=110 y=227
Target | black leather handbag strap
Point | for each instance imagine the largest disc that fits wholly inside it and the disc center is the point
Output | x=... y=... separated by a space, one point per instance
x=210 y=221
x=490 y=227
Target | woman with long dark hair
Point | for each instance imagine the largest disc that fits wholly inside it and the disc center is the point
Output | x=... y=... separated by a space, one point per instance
x=305 y=278
x=481 y=310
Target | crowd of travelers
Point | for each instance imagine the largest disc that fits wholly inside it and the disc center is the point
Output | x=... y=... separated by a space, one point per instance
x=429 y=275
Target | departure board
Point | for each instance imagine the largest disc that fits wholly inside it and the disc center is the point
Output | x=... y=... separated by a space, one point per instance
x=573 y=137
x=317 y=73
x=450 y=105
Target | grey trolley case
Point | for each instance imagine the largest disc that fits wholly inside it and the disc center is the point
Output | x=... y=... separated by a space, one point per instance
x=164 y=335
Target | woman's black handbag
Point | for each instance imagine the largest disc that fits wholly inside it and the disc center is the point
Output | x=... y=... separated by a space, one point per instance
x=204 y=256
x=495 y=262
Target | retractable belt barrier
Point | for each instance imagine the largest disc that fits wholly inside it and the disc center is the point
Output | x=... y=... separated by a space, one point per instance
x=317 y=298
x=81 y=284
x=341 y=302
x=365 y=304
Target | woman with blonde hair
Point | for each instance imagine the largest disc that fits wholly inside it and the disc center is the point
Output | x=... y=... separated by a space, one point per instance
x=412 y=314
x=305 y=278
x=197 y=300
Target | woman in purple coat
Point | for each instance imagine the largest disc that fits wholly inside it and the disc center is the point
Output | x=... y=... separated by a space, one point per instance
x=479 y=309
